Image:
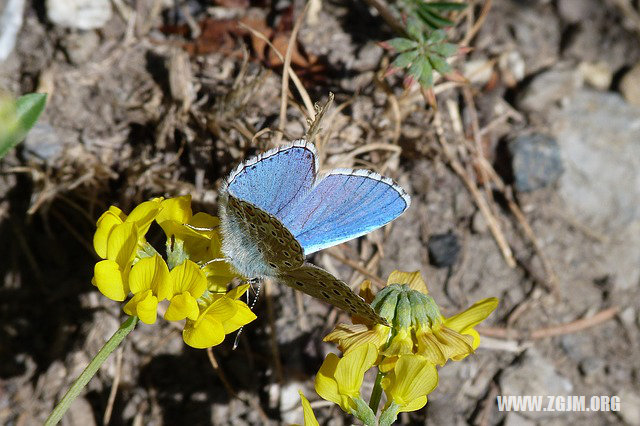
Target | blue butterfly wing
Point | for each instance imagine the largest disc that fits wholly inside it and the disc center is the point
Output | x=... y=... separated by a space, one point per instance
x=275 y=180
x=343 y=205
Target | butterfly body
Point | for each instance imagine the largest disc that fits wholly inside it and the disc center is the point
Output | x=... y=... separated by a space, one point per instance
x=274 y=209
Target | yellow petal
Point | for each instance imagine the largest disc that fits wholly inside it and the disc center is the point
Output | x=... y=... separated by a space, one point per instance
x=207 y=331
x=182 y=306
x=430 y=347
x=176 y=209
x=143 y=215
x=326 y=385
x=474 y=315
x=204 y=220
x=413 y=279
x=309 y=417
x=351 y=368
x=237 y=292
x=243 y=316
x=453 y=344
x=150 y=273
x=400 y=344
x=412 y=378
x=188 y=277
x=143 y=305
x=350 y=336
x=107 y=276
x=122 y=243
x=105 y=225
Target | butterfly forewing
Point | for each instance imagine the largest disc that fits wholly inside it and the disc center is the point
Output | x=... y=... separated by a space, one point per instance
x=322 y=285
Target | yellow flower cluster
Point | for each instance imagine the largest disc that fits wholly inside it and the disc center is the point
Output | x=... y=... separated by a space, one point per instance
x=132 y=266
x=406 y=352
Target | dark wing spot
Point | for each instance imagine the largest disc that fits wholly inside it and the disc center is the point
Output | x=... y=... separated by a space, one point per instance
x=273 y=233
x=286 y=254
x=348 y=301
x=336 y=292
x=322 y=284
x=281 y=241
x=262 y=228
x=273 y=265
x=287 y=264
x=299 y=284
x=325 y=295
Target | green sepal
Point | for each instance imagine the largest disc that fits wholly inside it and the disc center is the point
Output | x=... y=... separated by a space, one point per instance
x=389 y=415
x=363 y=412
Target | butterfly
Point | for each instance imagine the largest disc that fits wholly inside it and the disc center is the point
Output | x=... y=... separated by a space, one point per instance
x=275 y=209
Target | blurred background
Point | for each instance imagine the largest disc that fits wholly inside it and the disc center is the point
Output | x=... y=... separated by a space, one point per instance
x=524 y=183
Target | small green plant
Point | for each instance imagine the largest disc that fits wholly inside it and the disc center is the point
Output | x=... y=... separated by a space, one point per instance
x=17 y=117
x=423 y=48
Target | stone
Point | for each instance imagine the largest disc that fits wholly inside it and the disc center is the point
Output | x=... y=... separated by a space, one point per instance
x=534 y=375
x=599 y=139
x=630 y=407
x=443 y=249
x=596 y=74
x=549 y=88
x=479 y=224
x=535 y=161
x=42 y=143
x=574 y=11
x=512 y=67
x=80 y=46
x=478 y=71
x=80 y=14
x=630 y=85
x=11 y=13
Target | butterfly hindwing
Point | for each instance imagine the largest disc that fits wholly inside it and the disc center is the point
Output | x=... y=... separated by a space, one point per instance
x=322 y=285
x=343 y=205
x=256 y=242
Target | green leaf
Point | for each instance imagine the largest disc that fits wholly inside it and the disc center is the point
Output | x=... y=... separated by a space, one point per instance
x=439 y=64
x=17 y=118
x=403 y=60
x=415 y=29
x=445 y=49
x=401 y=44
x=426 y=75
x=416 y=68
x=433 y=19
x=447 y=5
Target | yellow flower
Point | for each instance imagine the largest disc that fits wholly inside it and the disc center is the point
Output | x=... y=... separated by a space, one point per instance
x=413 y=377
x=119 y=239
x=184 y=242
x=219 y=314
x=339 y=379
x=149 y=282
x=188 y=282
x=417 y=327
x=309 y=417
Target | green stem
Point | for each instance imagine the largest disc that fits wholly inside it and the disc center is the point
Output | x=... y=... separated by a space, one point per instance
x=376 y=393
x=90 y=371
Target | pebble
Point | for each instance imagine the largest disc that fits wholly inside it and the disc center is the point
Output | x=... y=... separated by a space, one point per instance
x=478 y=71
x=630 y=407
x=479 y=223
x=80 y=46
x=443 y=249
x=535 y=161
x=42 y=143
x=80 y=14
x=574 y=11
x=10 y=24
x=549 y=88
x=630 y=85
x=512 y=67
x=596 y=74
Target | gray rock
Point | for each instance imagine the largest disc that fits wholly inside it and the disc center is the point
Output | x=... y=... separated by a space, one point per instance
x=534 y=375
x=630 y=85
x=630 y=407
x=574 y=11
x=10 y=23
x=80 y=14
x=535 y=161
x=42 y=144
x=550 y=88
x=599 y=139
x=443 y=249
x=80 y=46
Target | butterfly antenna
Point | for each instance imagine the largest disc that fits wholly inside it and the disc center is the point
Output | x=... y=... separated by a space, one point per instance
x=251 y=306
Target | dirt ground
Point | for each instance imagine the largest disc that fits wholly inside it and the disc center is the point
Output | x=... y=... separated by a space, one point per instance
x=159 y=101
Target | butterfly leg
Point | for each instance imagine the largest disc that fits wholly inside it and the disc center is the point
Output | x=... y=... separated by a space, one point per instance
x=209 y=262
x=256 y=291
x=201 y=229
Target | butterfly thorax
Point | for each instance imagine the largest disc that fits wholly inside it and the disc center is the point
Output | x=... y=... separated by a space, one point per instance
x=254 y=241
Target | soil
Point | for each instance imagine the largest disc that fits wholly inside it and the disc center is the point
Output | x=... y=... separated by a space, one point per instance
x=144 y=106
